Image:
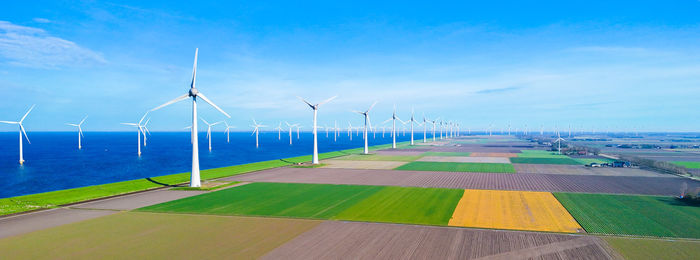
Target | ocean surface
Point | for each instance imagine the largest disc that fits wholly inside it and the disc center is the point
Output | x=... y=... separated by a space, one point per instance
x=53 y=161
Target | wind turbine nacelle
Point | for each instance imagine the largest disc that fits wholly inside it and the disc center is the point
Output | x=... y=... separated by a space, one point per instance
x=193 y=92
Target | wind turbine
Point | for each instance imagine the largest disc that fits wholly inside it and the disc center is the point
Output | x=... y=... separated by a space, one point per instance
x=425 y=127
x=138 y=131
x=314 y=157
x=350 y=130
x=298 y=127
x=335 y=132
x=290 y=131
x=194 y=94
x=21 y=131
x=393 y=127
x=228 y=130
x=256 y=131
x=80 y=131
x=367 y=124
x=434 y=122
x=144 y=130
x=279 y=131
x=209 y=130
x=411 y=121
x=558 y=141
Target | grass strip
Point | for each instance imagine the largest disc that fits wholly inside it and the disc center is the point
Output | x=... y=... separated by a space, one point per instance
x=689 y=165
x=457 y=167
x=540 y=154
x=633 y=215
x=567 y=161
x=638 y=248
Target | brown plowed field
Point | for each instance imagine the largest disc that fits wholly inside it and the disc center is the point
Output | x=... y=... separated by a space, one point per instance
x=400 y=152
x=488 y=181
x=582 y=170
x=480 y=154
x=463 y=159
x=354 y=240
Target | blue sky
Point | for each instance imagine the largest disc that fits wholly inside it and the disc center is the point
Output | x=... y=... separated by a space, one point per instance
x=603 y=65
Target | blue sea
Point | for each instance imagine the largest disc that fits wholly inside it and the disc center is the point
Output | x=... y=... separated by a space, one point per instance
x=53 y=161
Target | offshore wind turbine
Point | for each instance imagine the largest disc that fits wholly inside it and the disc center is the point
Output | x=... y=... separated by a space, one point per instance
x=367 y=124
x=256 y=132
x=194 y=94
x=393 y=127
x=335 y=132
x=314 y=157
x=350 y=130
x=279 y=131
x=228 y=130
x=138 y=131
x=21 y=131
x=209 y=130
x=144 y=130
x=290 y=131
x=80 y=131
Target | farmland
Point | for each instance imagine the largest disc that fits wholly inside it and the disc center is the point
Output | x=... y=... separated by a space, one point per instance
x=446 y=154
x=633 y=215
x=516 y=210
x=538 y=160
x=377 y=157
x=540 y=154
x=458 y=167
x=133 y=232
x=639 y=248
x=689 y=165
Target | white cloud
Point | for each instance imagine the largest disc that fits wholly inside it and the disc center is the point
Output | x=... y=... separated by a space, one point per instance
x=34 y=47
x=41 y=20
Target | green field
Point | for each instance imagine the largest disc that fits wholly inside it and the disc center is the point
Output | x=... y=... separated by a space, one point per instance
x=637 y=248
x=593 y=160
x=540 y=154
x=376 y=157
x=544 y=161
x=632 y=215
x=457 y=167
x=689 y=165
x=319 y=201
x=429 y=206
x=446 y=154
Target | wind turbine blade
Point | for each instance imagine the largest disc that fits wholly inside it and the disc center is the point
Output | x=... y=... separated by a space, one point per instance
x=147 y=131
x=178 y=99
x=310 y=105
x=21 y=127
x=372 y=106
x=387 y=120
x=147 y=120
x=72 y=124
x=355 y=111
x=81 y=121
x=80 y=130
x=287 y=124
x=200 y=95
x=131 y=124
x=327 y=100
x=217 y=123
x=25 y=115
x=9 y=122
x=194 y=68
x=369 y=122
x=205 y=121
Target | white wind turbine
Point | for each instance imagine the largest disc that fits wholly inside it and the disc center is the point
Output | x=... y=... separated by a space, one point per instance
x=194 y=94
x=80 y=132
x=314 y=157
x=256 y=131
x=558 y=141
x=209 y=130
x=367 y=124
x=144 y=130
x=412 y=120
x=290 y=131
x=228 y=131
x=425 y=128
x=393 y=127
x=434 y=122
x=350 y=130
x=335 y=132
x=298 y=127
x=21 y=131
x=279 y=131
x=139 y=129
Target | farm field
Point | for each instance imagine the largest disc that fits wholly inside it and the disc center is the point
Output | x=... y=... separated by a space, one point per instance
x=462 y=159
x=564 y=169
x=668 y=186
x=514 y=210
x=347 y=164
x=593 y=160
x=358 y=240
x=633 y=215
x=689 y=165
x=428 y=206
x=112 y=236
x=458 y=167
x=446 y=154
x=272 y=199
x=377 y=157
x=482 y=154
x=640 y=248
x=540 y=154
x=537 y=160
